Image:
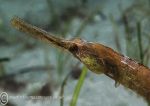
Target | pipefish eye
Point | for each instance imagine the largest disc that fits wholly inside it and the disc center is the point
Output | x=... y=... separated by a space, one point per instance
x=74 y=48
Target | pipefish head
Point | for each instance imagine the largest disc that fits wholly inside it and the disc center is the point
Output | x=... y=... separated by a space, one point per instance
x=87 y=53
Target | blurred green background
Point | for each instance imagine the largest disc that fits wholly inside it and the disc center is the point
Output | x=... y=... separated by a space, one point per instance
x=29 y=67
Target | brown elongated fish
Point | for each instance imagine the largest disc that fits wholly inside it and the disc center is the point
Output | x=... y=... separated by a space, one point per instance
x=98 y=58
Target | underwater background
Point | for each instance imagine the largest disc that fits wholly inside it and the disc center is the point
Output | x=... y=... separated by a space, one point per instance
x=30 y=69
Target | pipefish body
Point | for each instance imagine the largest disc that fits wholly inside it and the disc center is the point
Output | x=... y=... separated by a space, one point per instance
x=97 y=58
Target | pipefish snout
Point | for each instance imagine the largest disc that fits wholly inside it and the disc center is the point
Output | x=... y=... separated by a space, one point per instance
x=97 y=58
